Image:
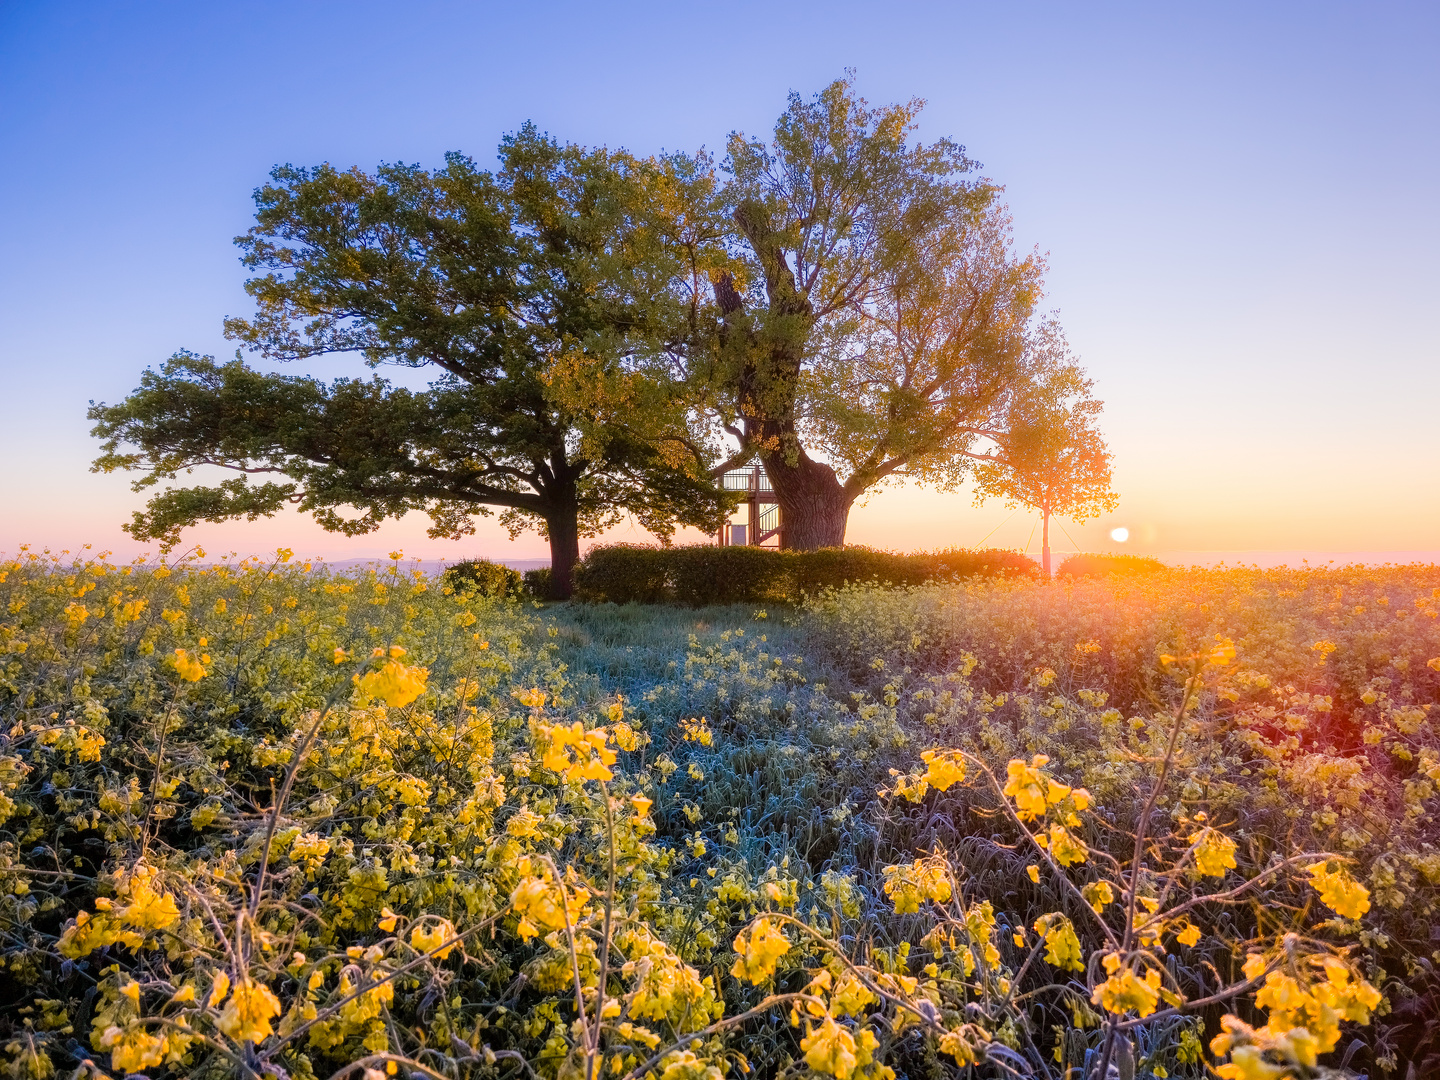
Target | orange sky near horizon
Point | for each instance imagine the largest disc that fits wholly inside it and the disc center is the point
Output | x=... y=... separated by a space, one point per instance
x=1218 y=518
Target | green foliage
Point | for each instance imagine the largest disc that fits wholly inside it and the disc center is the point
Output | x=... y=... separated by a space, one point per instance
x=538 y=582
x=415 y=819
x=700 y=575
x=484 y=578
x=1051 y=456
x=1082 y=565
x=1321 y=732
x=539 y=299
x=874 y=319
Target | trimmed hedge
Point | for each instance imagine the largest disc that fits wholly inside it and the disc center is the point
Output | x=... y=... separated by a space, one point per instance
x=537 y=582
x=1103 y=565
x=704 y=574
x=484 y=577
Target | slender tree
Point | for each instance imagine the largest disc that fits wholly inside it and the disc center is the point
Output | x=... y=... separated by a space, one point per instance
x=543 y=301
x=1051 y=456
x=873 y=320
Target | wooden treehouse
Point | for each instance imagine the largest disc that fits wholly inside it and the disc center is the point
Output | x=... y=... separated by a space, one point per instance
x=759 y=505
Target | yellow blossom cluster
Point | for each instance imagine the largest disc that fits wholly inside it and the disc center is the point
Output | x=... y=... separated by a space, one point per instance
x=190 y=666
x=435 y=936
x=832 y=1050
x=697 y=731
x=396 y=684
x=143 y=908
x=543 y=904
x=663 y=986
x=1034 y=792
x=759 y=947
x=910 y=885
x=1125 y=991
x=576 y=754
x=1306 y=1005
x=247 y=1014
x=1214 y=852
x=1064 y=846
x=943 y=768
x=1339 y=891
x=1062 y=946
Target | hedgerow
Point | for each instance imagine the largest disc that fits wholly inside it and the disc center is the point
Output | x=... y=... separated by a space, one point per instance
x=1083 y=565
x=268 y=820
x=485 y=578
x=703 y=574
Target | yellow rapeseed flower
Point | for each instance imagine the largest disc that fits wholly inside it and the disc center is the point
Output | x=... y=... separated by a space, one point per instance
x=576 y=754
x=188 y=667
x=1214 y=852
x=542 y=905
x=396 y=684
x=760 y=946
x=1098 y=894
x=1065 y=846
x=428 y=940
x=133 y=1048
x=924 y=879
x=1062 y=947
x=148 y=909
x=830 y=1049
x=248 y=1013
x=1123 y=992
x=943 y=768
x=1340 y=892
x=218 y=989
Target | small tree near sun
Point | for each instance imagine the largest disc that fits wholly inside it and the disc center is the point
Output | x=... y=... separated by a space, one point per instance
x=1051 y=457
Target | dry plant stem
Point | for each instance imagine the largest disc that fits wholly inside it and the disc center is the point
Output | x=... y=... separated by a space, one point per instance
x=214 y=921
x=333 y=1008
x=854 y=970
x=1235 y=894
x=155 y=779
x=1055 y=869
x=720 y=1025
x=1113 y=1021
x=1019 y=975
x=605 y=941
x=279 y=805
x=1214 y=999
x=575 y=965
x=383 y=1059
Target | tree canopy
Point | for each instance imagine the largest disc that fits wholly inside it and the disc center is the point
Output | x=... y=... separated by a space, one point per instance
x=873 y=318
x=843 y=300
x=1051 y=456
x=543 y=298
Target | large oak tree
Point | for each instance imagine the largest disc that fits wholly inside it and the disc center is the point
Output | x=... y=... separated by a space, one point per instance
x=873 y=318
x=544 y=299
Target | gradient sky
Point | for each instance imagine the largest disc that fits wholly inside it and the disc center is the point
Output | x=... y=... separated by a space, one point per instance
x=1239 y=202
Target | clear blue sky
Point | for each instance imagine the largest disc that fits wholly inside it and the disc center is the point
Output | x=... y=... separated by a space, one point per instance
x=1239 y=202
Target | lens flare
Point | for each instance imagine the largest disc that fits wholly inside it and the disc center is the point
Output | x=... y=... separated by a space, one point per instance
x=1120 y=535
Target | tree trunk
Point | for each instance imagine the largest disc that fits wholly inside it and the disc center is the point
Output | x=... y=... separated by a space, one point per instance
x=814 y=506
x=564 y=529
x=1045 y=545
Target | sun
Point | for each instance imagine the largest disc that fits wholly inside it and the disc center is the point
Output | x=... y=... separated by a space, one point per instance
x=1120 y=535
